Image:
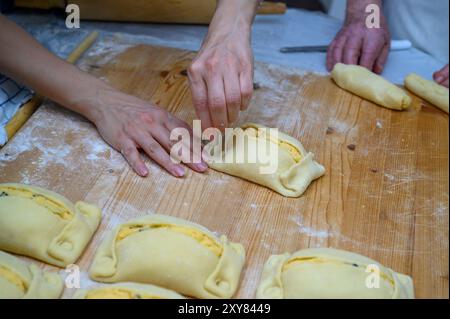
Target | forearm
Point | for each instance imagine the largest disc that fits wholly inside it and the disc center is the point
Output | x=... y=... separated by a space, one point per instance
x=232 y=16
x=25 y=60
x=356 y=9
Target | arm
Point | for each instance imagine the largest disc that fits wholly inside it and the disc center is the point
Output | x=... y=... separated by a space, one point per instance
x=125 y=122
x=357 y=44
x=221 y=76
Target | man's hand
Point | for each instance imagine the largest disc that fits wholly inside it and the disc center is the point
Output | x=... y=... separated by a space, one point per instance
x=441 y=76
x=357 y=44
x=221 y=76
x=129 y=124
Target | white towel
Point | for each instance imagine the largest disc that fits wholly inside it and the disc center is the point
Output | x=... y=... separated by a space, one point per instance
x=12 y=97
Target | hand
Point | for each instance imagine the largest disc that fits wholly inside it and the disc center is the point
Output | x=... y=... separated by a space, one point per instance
x=129 y=124
x=441 y=76
x=357 y=44
x=221 y=76
x=125 y=122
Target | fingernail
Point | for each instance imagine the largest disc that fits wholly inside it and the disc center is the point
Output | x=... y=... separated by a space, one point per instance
x=179 y=171
x=439 y=78
x=143 y=171
x=201 y=167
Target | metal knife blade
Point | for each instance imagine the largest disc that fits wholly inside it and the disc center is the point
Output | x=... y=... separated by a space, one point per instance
x=396 y=45
x=312 y=48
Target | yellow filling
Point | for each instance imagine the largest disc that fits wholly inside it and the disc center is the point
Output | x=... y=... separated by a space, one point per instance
x=318 y=260
x=199 y=236
x=52 y=205
x=118 y=293
x=293 y=150
x=13 y=278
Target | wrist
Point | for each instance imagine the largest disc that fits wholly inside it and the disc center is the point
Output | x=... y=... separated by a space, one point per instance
x=91 y=99
x=232 y=17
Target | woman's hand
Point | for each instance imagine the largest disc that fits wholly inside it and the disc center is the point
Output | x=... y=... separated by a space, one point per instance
x=125 y=122
x=221 y=81
x=221 y=76
x=130 y=124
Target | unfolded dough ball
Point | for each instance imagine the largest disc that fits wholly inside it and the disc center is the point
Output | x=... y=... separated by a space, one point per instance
x=430 y=91
x=370 y=86
x=172 y=253
x=127 y=290
x=287 y=168
x=323 y=273
x=20 y=280
x=38 y=223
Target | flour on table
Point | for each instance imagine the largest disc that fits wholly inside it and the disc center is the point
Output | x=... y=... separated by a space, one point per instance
x=36 y=143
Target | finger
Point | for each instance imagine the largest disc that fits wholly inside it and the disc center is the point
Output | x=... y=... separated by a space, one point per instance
x=352 y=50
x=331 y=48
x=157 y=153
x=217 y=102
x=232 y=95
x=381 y=60
x=444 y=83
x=163 y=138
x=329 y=61
x=337 y=51
x=172 y=124
x=246 y=87
x=199 y=97
x=370 y=53
x=130 y=152
x=441 y=75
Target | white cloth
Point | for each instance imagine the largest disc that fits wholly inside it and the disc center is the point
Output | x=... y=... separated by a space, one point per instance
x=424 y=22
x=12 y=96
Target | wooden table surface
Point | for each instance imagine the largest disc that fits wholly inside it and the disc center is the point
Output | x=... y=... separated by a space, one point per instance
x=384 y=194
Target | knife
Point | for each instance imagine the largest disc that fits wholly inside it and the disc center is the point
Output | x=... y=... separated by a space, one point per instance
x=396 y=45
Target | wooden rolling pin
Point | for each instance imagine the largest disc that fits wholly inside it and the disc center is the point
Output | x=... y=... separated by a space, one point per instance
x=161 y=11
x=25 y=112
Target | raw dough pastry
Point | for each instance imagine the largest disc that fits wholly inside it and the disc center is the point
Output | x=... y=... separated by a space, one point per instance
x=44 y=225
x=127 y=290
x=370 y=86
x=171 y=253
x=21 y=280
x=428 y=90
x=329 y=273
x=296 y=167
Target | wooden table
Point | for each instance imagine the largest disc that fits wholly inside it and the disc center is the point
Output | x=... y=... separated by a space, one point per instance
x=384 y=195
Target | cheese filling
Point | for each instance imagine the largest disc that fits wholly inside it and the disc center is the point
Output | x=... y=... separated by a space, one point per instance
x=292 y=149
x=199 y=236
x=318 y=260
x=52 y=205
x=13 y=278
x=117 y=293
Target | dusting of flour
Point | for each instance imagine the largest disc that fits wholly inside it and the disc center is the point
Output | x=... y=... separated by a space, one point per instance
x=73 y=147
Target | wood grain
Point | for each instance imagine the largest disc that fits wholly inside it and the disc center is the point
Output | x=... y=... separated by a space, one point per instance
x=384 y=195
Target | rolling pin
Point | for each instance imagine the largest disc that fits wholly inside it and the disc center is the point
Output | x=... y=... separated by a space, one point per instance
x=25 y=112
x=161 y=11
